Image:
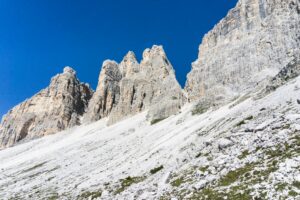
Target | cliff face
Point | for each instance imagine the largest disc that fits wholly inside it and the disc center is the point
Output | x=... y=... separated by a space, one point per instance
x=130 y=87
x=53 y=109
x=255 y=40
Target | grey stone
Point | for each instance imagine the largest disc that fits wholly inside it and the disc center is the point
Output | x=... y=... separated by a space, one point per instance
x=150 y=85
x=53 y=109
x=253 y=42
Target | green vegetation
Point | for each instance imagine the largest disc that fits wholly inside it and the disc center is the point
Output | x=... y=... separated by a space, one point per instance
x=281 y=186
x=53 y=196
x=235 y=175
x=177 y=182
x=234 y=193
x=209 y=158
x=244 y=154
x=203 y=169
x=293 y=193
x=241 y=123
x=198 y=155
x=125 y=183
x=244 y=121
x=155 y=121
x=157 y=169
x=249 y=118
x=296 y=184
x=90 y=195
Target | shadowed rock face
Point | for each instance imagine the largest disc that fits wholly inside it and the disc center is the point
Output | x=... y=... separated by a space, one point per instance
x=130 y=87
x=255 y=40
x=53 y=109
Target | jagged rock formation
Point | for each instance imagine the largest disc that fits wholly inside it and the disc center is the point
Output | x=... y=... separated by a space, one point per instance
x=129 y=87
x=255 y=40
x=247 y=152
x=53 y=109
x=107 y=92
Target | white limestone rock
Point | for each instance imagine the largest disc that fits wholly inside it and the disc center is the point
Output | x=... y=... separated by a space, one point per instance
x=107 y=93
x=133 y=87
x=254 y=41
x=224 y=143
x=200 y=185
x=53 y=109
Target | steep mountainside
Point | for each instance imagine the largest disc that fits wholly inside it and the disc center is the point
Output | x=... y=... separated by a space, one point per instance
x=254 y=41
x=248 y=149
x=129 y=87
x=53 y=109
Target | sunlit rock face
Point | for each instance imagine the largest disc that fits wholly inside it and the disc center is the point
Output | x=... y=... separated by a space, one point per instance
x=53 y=109
x=254 y=41
x=131 y=87
x=107 y=94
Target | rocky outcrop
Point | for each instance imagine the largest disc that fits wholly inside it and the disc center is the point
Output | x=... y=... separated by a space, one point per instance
x=123 y=90
x=107 y=94
x=53 y=109
x=130 y=87
x=254 y=41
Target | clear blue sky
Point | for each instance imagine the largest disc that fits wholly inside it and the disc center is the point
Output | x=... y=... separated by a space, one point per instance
x=39 y=37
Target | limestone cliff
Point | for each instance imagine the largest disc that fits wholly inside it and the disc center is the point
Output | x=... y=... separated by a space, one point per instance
x=53 y=109
x=255 y=40
x=130 y=87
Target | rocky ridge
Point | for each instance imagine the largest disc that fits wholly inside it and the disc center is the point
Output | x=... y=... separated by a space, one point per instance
x=123 y=90
x=130 y=87
x=59 y=106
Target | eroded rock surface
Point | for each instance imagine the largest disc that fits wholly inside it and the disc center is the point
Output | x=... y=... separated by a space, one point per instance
x=130 y=87
x=53 y=109
x=254 y=41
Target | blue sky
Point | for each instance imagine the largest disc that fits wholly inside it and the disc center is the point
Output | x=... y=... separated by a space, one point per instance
x=39 y=37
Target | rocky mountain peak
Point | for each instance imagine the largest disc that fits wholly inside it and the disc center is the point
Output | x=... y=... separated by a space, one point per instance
x=129 y=66
x=136 y=87
x=156 y=51
x=69 y=70
x=55 y=108
x=110 y=71
x=107 y=92
x=130 y=57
